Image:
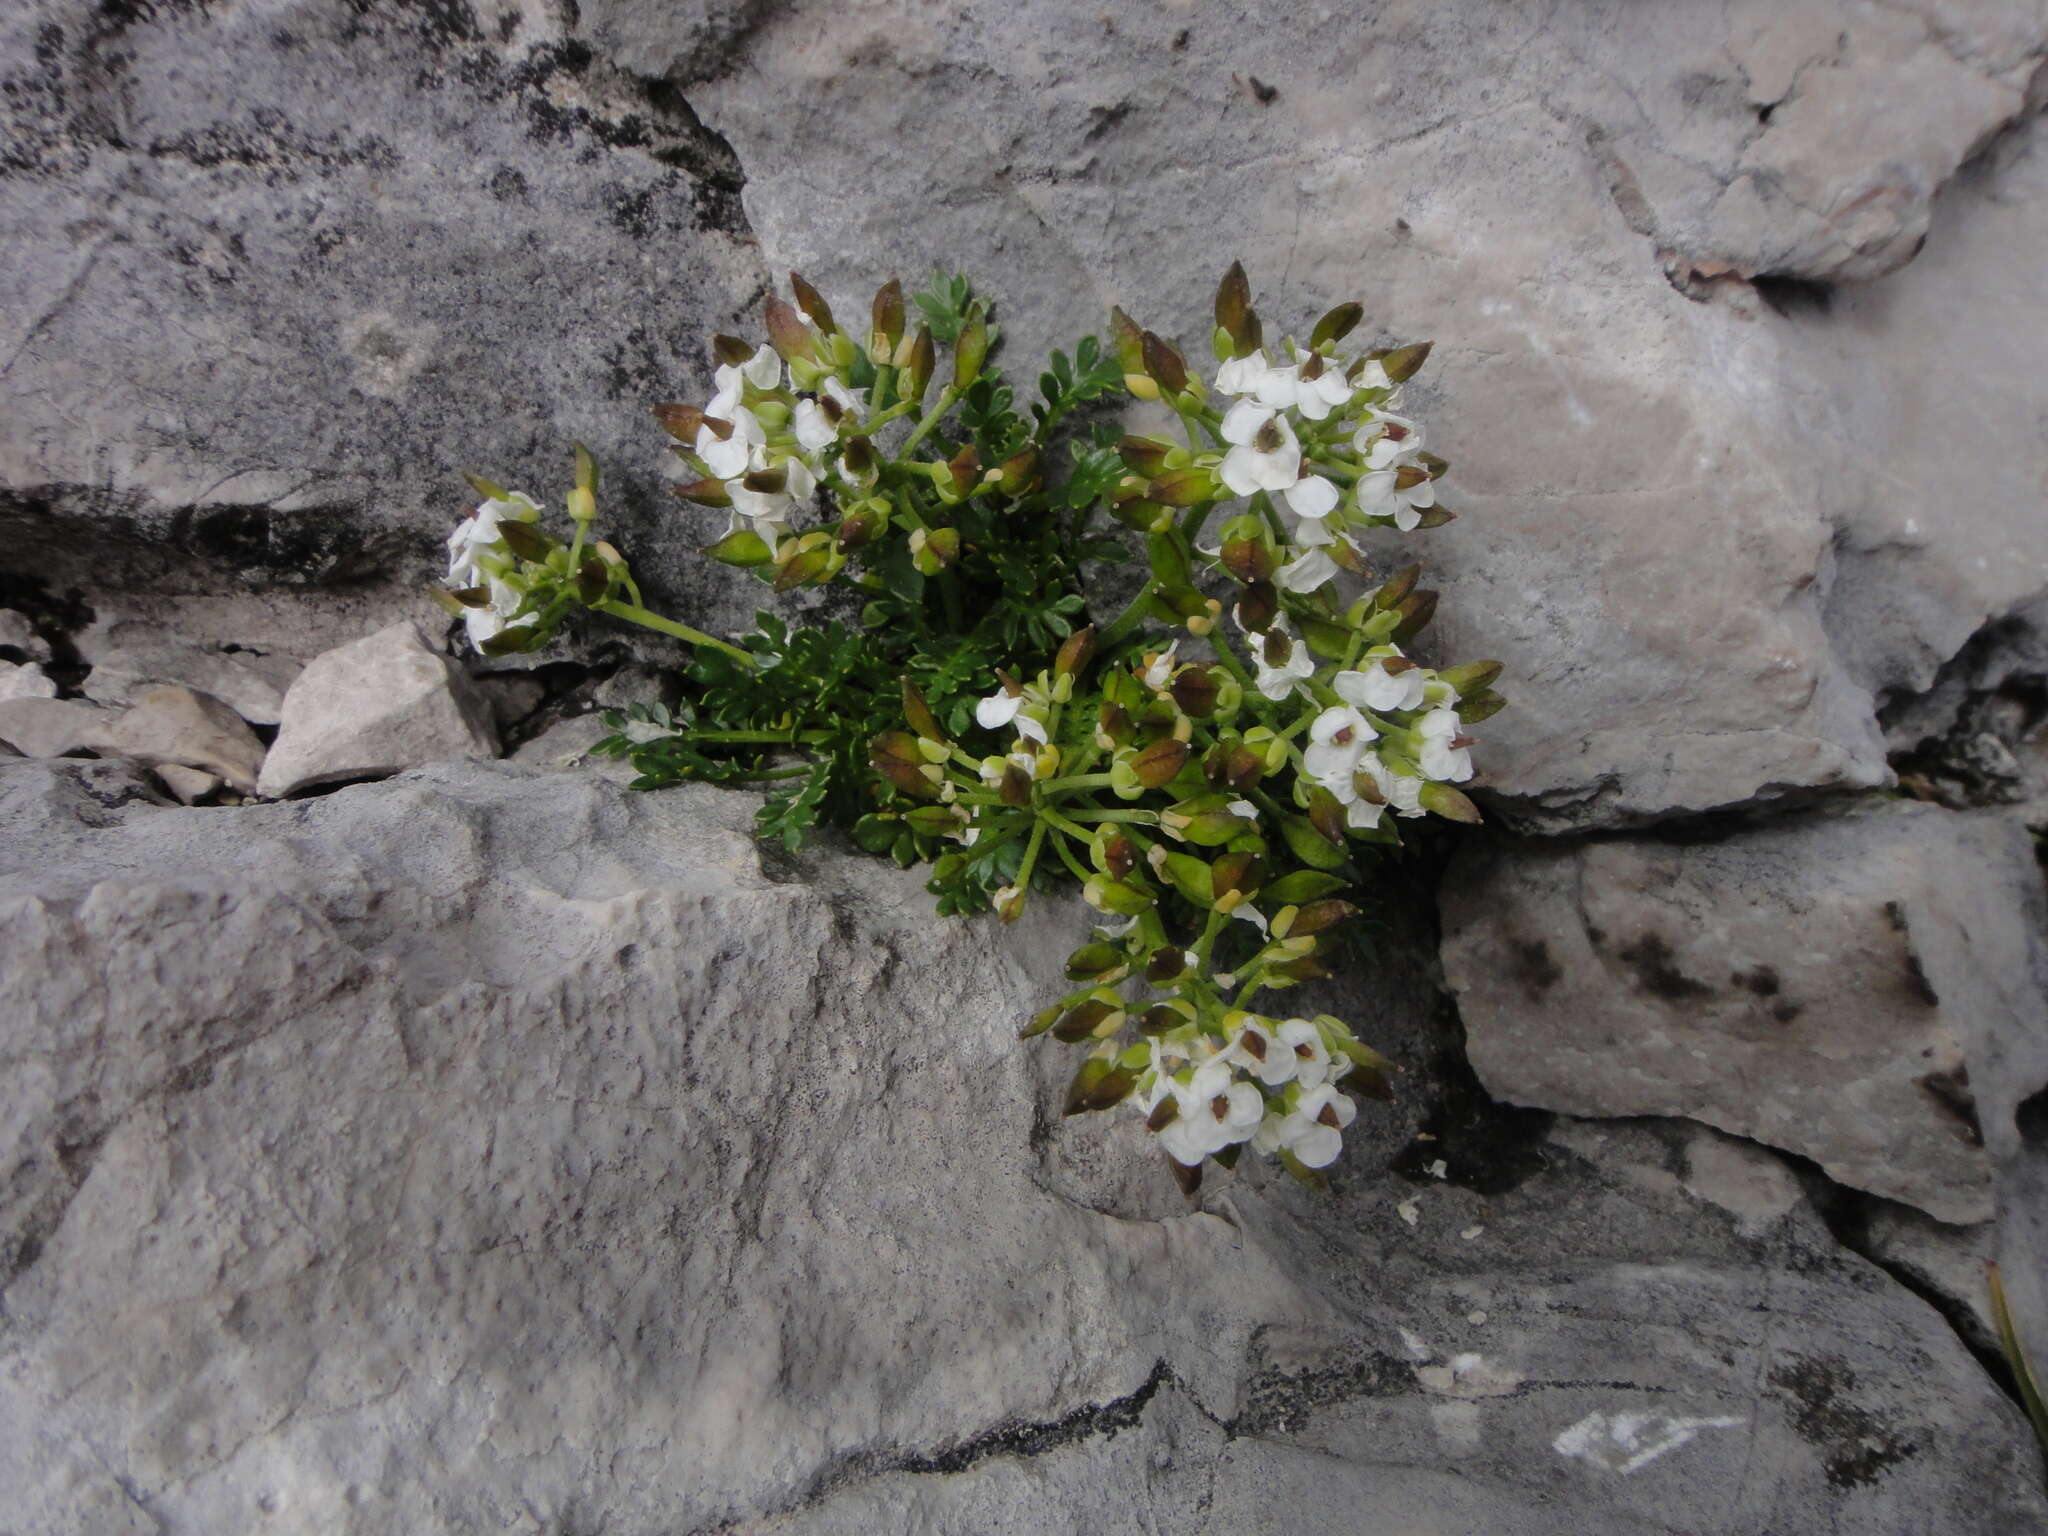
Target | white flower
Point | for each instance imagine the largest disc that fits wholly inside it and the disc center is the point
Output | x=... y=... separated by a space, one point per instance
x=1317 y=395
x=1312 y=1130
x=1387 y=441
x=1400 y=791
x=1159 y=668
x=1255 y=1049
x=1377 y=689
x=1215 y=1112
x=1283 y=661
x=486 y=623
x=1307 y=571
x=1441 y=760
x=814 y=430
x=1312 y=497
x=479 y=532
x=1338 y=738
x=1303 y=1042
x=1265 y=455
x=1241 y=375
x=728 y=457
x=1373 y=375
x=1380 y=495
x=1245 y=912
x=763 y=370
x=1279 y=386
x=1003 y=708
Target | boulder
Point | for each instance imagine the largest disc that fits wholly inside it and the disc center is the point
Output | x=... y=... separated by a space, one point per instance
x=1814 y=984
x=484 y=1146
x=25 y=681
x=370 y=708
x=40 y=727
x=129 y=656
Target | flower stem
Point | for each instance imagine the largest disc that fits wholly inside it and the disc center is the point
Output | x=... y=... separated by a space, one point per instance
x=632 y=613
x=759 y=738
x=1121 y=626
x=1023 y=880
x=947 y=397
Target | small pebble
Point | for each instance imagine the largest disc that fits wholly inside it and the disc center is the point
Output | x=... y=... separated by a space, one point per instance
x=1438 y=1169
x=1411 y=1212
x=1476 y=1319
x=1471 y=1232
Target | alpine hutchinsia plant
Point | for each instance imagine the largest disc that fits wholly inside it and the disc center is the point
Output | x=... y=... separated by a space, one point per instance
x=1213 y=766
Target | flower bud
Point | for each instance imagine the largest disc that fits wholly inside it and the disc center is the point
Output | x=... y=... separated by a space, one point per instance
x=1112 y=852
x=959 y=476
x=1163 y=364
x=1403 y=362
x=1165 y=963
x=808 y=567
x=919 y=713
x=1416 y=610
x=1397 y=588
x=705 y=493
x=861 y=526
x=1018 y=474
x=1250 y=560
x=1118 y=896
x=1318 y=916
x=1326 y=816
x=1100 y=1084
x=1015 y=786
x=1127 y=341
x=1094 y=960
x=787 y=332
x=1160 y=763
x=1075 y=652
x=888 y=323
x=1186 y=487
x=1085 y=1018
x=1471 y=677
x=1157 y=1020
x=1450 y=803
x=970 y=349
x=730 y=351
x=932 y=550
x=857 y=458
x=917 y=358
x=1145 y=456
x=526 y=541
x=1113 y=727
x=1241 y=872
x=741 y=547
x=812 y=303
x=894 y=755
x=1243 y=768
x=1188 y=875
x=1257 y=606
x=1234 y=314
x=1194 y=690
x=586 y=470
x=1336 y=325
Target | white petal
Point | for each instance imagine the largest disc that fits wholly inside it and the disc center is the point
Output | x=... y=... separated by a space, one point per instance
x=1031 y=729
x=1242 y=421
x=1307 y=573
x=764 y=369
x=998 y=709
x=1312 y=496
x=813 y=431
x=1240 y=471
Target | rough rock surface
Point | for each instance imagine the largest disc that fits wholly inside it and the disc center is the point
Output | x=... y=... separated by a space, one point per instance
x=388 y=701
x=55 y=727
x=193 y=730
x=515 y=1149
x=1811 y=984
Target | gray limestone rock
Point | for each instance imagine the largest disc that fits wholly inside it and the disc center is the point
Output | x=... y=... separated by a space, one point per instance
x=25 y=681
x=41 y=727
x=482 y=1147
x=1804 y=983
x=129 y=656
x=385 y=702
x=193 y=730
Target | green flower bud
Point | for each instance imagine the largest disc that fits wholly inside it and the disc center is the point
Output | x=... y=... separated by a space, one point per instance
x=1309 y=845
x=1160 y=763
x=970 y=349
x=1416 y=610
x=1336 y=325
x=812 y=304
x=1449 y=803
x=1234 y=314
x=894 y=755
x=704 y=493
x=1163 y=364
x=888 y=324
x=787 y=332
x=1403 y=362
x=919 y=714
x=1096 y=959
x=1118 y=896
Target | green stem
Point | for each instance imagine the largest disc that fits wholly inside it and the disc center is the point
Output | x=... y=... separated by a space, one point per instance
x=1048 y=817
x=1121 y=626
x=1023 y=881
x=759 y=738
x=1076 y=781
x=1131 y=818
x=947 y=397
x=632 y=613
x=1075 y=867
x=1227 y=654
x=949 y=594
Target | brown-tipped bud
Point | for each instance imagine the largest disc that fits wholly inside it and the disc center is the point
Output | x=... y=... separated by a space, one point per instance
x=894 y=755
x=1326 y=816
x=1145 y=455
x=1257 y=606
x=1435 y=516
x=1451 y=804
x=526 y=541
x=1397 y=588
x=1164 y=364
x=1368 y=788
x=1471 y=676
x=1480 y=706
x=1015 y=788
x=1250 y=559
x=1019 y=475
x=1100 y=1084
x=813 y=304
x=1234 y=314
x=1166 y=1111
x=1165 y=963
x=1082 y=1020
x=1437 y=467
x=1320 y=915
x=1114 y=721
x=1216 y=766
x=1300 y=968
x=1409 y=476
x=1092 y=960
x=680 y=422
x=1118 y=855
x=888 y=322
x=861 y=527
x=1041 y=1021
x=1184 y=487
x=705 y=493
x=1336 y=325
x=1159 y=764
x=805 y=568
x=1243 y=768
x=1158 y=1019
x=1127 y=341
x=461 y=598
x=1194 y=689
x=1134 y=511
x=942 y=547
x=919 y=714
x=857 y=457
x=730 y=350
x=1403 y=362
x=970 y=349
x=963 y=472
x=1349 y=559
x=1240 y=872
x=919 y=357
x=490 y=490
x=787 y=332
x=769 y=482
x=1188 y=1178
x=1416 y=610
x=1075 y=652
x=742 y=547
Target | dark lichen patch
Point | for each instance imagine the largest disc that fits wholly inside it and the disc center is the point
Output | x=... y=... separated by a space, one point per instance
x=2030 y=1119
x=1276 y=1402
x=507 y=184
x=1530 y=964
x=1857 y=1444
x=1763 y=980
x=1656 y=970
x=1786 y=1011
x=1916 y=976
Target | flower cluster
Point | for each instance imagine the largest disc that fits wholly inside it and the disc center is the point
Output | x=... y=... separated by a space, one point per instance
x=1215 y=767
